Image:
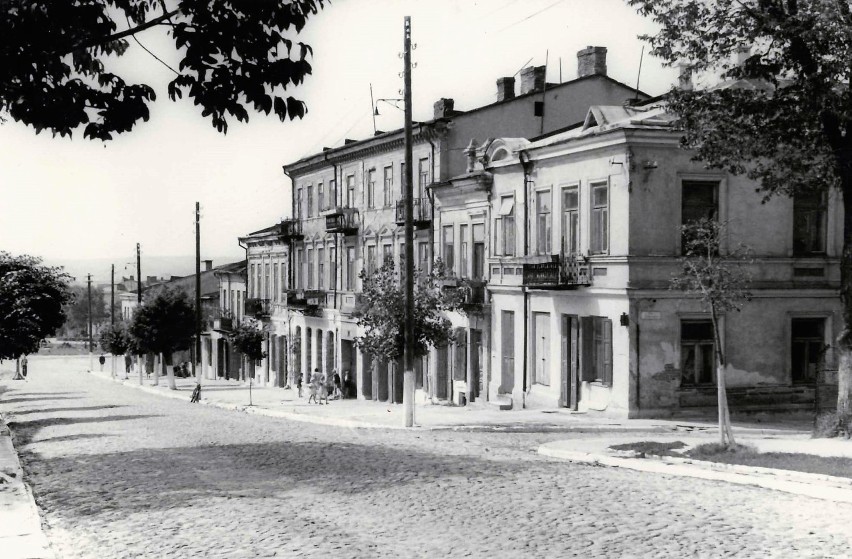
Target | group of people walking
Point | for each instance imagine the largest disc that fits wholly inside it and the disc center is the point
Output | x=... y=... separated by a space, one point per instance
x=323 y=387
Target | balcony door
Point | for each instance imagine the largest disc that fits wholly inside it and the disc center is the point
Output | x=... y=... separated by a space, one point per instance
x=570 y=392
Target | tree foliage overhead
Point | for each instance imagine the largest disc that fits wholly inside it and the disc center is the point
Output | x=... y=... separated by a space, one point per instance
x=247 y=338
x=32 y=300
x=382 y=313
x=77 y=310
x=164 y=324
x=57 y=60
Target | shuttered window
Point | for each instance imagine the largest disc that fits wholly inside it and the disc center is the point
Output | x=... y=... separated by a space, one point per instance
x=596 y=349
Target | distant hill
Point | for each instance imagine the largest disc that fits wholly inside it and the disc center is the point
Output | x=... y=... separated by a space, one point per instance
x=160 y=266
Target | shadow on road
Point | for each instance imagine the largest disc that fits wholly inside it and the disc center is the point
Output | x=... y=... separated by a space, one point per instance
x=57 y=410
x=25 y=430
x=38 y=399
x=66 y=438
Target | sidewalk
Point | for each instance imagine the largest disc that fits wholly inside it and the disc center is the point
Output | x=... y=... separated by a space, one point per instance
x=21 y=536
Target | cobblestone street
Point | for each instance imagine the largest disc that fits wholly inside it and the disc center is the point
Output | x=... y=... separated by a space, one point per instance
x=121 y=473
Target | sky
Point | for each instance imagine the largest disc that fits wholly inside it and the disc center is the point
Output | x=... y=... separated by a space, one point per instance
x=80 y=200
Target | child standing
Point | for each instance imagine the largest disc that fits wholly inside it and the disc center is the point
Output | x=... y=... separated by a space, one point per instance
x=312 y=388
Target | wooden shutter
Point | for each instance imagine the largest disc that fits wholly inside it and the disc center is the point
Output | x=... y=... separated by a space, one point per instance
x=587 y=348
x=607 y=352
x=565 y=367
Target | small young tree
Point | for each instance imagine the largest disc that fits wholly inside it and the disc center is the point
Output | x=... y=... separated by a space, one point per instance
x=32 y=299
x=247 y=338
x=720 y=280
x=382 y=313
x=115 y=340
x=163 y=325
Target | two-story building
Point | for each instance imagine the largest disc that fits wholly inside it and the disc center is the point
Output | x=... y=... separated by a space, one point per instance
x=347 y=217
x=585 y=233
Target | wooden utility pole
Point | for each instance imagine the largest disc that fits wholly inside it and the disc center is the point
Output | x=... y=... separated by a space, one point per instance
x=91 y=345
x=197 y=342
x=112 y=297
x=138 y=276
x=408 y=354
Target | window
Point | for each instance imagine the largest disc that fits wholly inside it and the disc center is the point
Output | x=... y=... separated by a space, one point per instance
x=570 y=219
x=298 y=210
x=310 y=266
x=298 y=279
x=252 y=288
x=596 y=334
x=478 y=272
x=388 y=192
x=449 y=247
x=310 y=201
x=697 y=352
x=423 y=177
x=504 y=227
x=423 y=256
x=371 y=188
x=809 y=217
x=350 y=268
x=371 y=259
x=284 y=285
x=700 y=200
x=275 y=281
x=542 y=221
x=320 y=197
x=332 y=193
x=600 y=219
x=387 y=254
x=258 y=289
x=350 y=191
x=332 y=267
x=320 y=268
x=402 y=179
x=464 y=247
x=807 y=348
x=266 y=285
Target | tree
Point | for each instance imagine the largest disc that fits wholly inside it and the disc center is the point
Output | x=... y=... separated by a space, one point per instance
x=77 y=311
x=382 y=311
x=789 y=126
x=163 y=325
x=247 y=338
x=115 y=339
x=32 y=299
x=719 y=279
x=57 y=67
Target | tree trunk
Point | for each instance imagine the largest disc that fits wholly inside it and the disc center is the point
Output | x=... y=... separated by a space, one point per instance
x=18 y=375
x=726 y=434
x=844 y=340
x=156 y=367
x=140 y=364
x=169 y=371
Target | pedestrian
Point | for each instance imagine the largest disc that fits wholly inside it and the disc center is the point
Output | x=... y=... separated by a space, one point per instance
x=324 y=388
x=338 y=393
x=299 y=383
x=347 y=385
x=24 y=366
x=102 y=360
x=128 y=362
x=313 y=388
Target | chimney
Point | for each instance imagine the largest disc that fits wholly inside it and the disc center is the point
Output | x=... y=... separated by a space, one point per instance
x=532 y=79
x=505 y=89
x=151 y=279
x=443 y=108
x=590 y=61
x=208 y=265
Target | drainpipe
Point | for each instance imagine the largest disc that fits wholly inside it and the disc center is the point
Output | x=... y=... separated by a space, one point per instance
x=527 y=166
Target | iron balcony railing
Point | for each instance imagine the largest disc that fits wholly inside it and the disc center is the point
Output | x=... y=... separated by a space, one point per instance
x=223 y=323
x=422 y=214
x=342 y=220
x=563 y=272
x=258 y=308
x=291 y=229
x=305 y=298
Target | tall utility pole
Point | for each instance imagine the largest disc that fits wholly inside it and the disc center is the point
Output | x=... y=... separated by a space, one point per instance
x=138 y=276
x=197 y=343
x=91 y=345
x=408 y=355
x=112 y=297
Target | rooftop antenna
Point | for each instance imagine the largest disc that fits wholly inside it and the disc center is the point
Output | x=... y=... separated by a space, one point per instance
x=638 y=74
x=373 y=108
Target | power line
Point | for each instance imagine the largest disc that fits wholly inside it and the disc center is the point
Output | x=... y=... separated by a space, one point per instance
x=531 y=15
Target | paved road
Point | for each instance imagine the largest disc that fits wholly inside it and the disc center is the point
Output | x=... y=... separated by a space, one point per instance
x=121 y=473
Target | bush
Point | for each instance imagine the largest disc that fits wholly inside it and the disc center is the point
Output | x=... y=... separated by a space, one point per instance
x=711 y=451
x=830 y=425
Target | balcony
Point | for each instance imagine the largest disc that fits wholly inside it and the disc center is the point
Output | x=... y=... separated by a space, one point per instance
x=305 y=300
x=563 y=272
x=258 y=308
x=422 y=212
x=467 y=295
x=342 y=220
x=291 y=229
x=223 y=324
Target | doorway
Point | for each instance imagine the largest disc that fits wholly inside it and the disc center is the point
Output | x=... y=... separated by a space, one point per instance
x=570 y=392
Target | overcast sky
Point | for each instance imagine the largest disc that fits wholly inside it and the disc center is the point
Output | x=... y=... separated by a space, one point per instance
x=78 y=199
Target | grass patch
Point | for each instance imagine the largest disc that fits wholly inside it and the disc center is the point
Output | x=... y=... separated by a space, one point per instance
x=746 y=455
x=652 y=447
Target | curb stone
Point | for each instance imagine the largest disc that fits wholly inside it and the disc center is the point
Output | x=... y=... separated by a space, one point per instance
x=829 y=488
